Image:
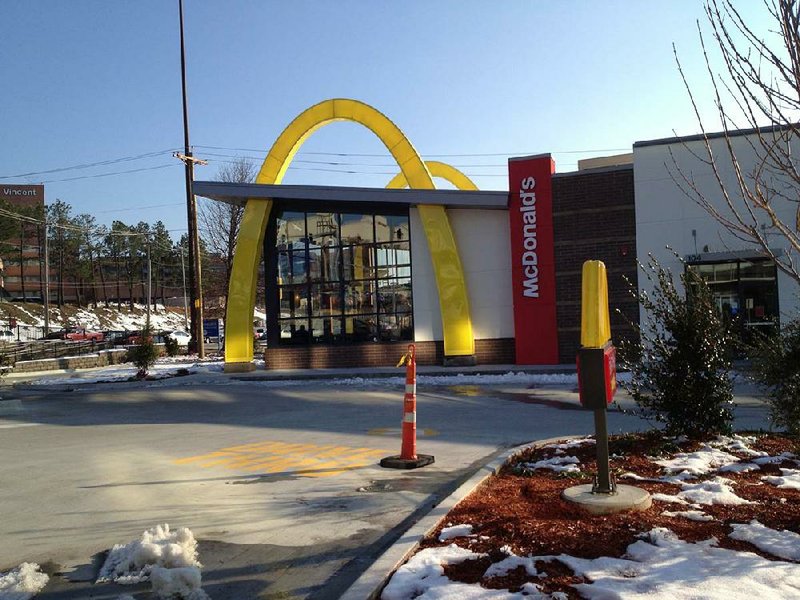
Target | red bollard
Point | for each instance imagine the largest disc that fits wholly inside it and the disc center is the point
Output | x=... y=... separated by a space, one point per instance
x=408 y=458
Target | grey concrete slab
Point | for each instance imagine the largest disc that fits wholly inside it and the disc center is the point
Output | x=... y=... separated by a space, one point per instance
x=95 y=466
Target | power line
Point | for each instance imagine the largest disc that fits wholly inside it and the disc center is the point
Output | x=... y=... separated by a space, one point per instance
x=93 y=164
x=164 y=166
x=345 y=154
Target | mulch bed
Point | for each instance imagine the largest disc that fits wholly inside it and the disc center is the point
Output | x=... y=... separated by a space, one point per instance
x=525 y=512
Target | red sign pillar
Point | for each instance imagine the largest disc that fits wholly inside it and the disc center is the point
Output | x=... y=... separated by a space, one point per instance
x=533 y=272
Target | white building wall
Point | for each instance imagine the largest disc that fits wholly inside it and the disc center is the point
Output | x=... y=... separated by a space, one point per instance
x=665 y=216
x=485 y=251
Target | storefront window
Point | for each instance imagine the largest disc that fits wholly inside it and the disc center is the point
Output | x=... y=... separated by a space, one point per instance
x=745 y=292
x=343 y=278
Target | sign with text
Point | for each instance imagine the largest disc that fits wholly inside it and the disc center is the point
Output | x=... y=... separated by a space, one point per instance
x=530 y=211
x=22 y=195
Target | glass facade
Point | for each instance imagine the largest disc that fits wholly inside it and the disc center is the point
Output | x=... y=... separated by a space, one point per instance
x=745 y=291
x=343 y=278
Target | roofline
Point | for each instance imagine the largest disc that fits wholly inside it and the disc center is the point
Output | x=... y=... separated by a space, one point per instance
x=711 y=136
x=239 y=193
x=594 y=171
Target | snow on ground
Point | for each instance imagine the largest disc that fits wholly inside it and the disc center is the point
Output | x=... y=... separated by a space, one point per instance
x=559 y=464
x=783 y=544
x=100 y=318
x=163 y=369
x=167 y=558
x=571 y=444
x=692 y=515
x=663 y=567
x=657 y=567
x=789 y=479
x=422 y=578
x=22 y=583
x=454 y=531
x=701 y=462
x=713 y=491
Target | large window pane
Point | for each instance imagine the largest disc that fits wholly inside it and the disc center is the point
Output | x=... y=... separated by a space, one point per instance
x=291 y=228
x=293 y=301
x=323 y=263
x=325 y=300
x=323 y=229
x=359 y=297
x=294 y=331
x=391 y=228
x=357 y=229
x=358 y=262
x=292 y=265
x=361 y=328
x=394 y=295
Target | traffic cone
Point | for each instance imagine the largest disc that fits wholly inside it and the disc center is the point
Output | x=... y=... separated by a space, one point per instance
x=408 y=458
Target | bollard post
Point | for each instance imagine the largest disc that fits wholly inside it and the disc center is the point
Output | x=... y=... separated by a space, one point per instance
x=408 y=458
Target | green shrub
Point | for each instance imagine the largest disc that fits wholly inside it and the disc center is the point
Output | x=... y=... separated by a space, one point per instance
x=680 y=366
x=144 y=354
x=776 y=366
x=171 y=346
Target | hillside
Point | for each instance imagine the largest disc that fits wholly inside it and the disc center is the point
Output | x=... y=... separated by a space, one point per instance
x=99 y=319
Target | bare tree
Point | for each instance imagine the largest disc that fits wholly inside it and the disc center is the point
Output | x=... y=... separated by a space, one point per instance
x=220 y=221
x=757 y=88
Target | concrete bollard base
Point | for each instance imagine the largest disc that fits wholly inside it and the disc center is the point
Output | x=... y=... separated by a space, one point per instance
x=627 y=498
x=396 y=462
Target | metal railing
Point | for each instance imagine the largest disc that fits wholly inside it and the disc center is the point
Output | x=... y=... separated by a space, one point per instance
x=13 y=352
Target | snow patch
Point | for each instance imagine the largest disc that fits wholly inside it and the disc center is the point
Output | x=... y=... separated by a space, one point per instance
x=790 y=479
x=559 y=464
x=783 y=544
x=714 y=491
x=158 y=547
x=701 y=462
x=454 y=531
x=23 y=582
x=692 y=515
x=659 y=567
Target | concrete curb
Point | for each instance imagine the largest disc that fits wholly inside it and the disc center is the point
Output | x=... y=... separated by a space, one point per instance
x=371 y=582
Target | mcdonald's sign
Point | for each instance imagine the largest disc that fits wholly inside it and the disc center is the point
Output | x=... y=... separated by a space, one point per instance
x=533 y=259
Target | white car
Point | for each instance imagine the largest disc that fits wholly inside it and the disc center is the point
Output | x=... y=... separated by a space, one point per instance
x=180 y=336
x=7 y=335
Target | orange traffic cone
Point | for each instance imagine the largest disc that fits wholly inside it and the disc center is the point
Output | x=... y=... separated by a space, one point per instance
x=408 y=458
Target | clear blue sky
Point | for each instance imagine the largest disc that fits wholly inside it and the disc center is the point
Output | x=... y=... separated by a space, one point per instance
x=88 y=81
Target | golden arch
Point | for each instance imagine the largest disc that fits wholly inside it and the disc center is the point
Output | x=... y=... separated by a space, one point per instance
x=453 y=301
x=437 y=169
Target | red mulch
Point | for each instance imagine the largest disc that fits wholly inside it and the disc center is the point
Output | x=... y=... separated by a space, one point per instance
x=526 y=512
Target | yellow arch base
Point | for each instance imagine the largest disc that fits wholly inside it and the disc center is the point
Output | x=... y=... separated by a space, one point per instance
x=453 y=301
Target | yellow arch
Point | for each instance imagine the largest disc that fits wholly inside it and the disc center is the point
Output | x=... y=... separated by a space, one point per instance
x=453 y=302
x=437 y=169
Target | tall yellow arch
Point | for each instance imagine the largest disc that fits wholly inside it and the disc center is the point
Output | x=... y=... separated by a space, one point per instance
x=453 y=301
x=437 y=169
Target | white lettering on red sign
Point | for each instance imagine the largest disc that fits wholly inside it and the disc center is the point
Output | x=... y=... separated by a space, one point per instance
x=530 y=259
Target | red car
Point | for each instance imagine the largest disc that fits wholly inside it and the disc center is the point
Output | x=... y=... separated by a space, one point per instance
x=76 y=334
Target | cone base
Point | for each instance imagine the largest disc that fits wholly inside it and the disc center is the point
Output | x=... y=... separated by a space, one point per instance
x=395 y=462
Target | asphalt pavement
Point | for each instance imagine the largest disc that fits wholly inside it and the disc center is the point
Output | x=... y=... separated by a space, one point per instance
x=277 y=478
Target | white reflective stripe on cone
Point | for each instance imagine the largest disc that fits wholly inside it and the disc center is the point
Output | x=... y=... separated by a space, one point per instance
x=411 y=388
x=410 y=417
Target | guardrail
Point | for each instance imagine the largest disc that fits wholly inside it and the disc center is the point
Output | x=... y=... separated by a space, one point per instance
x=13 y=352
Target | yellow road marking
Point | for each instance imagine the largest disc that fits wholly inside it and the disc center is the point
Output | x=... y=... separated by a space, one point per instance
x=309 y=460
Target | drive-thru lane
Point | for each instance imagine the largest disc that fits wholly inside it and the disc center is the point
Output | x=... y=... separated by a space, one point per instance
x=279 y=482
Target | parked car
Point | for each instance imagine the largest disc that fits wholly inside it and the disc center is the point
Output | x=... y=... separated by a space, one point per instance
x=134 y=337
x=81 y=334
x=6 y=335
x=180 y=336
x=75 y=334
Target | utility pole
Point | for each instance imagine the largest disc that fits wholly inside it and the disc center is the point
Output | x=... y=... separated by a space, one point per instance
x=46 y=280
x=149 y=283
x=185 y=301
x=191 y=214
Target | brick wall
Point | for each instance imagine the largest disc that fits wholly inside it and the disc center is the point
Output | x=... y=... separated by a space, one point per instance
x=594 y=219
x=497 y=351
